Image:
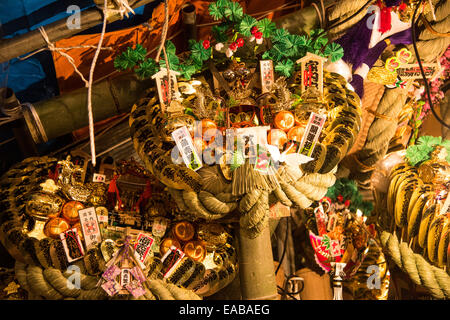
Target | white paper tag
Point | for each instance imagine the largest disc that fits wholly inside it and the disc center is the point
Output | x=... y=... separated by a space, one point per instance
x=312 y=71
x=99 y=178
x=162 y=84
x=91 y=229
x=267 y=76
x=312 y=133
x=142 y=246
x=186 y=147
x=72 y=245
x=175 y=255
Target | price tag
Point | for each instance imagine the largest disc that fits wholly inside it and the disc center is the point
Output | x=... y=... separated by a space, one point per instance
x=185 y=145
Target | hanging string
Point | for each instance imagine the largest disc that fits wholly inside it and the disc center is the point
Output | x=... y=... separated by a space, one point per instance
x=162 y=47
x=89 y=85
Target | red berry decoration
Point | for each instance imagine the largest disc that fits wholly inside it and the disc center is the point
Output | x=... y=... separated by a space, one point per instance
x=340 y=198
x=206 y=44
x=254 y=30
x=240 y=42
x=233 y=46
x=403 y=6
x=258 y=35
x=347 y=203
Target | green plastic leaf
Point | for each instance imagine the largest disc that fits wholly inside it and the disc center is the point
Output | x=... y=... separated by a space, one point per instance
x=285 y=67
x=234 y=11
x=140 y=52
x=418 y=153
x=128 y=59
x=174 y=61
x=246 y=24
x=170 y=47
x=146 y=69
x=199 y=53
x=334 y=51
x=215 y=11
x=429 y=140
x=267 y=27
x=187 y=70
x=279 y=35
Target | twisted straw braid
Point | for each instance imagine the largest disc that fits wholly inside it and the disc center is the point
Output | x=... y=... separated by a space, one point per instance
x=436 y=280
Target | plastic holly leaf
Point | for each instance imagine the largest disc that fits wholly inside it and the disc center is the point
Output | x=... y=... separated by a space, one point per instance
x=314 y=33
x=234 y=11
x=215 y=11
x=334 y=51
x=170 y=47
x=199 y=53
x=174 y=61
x=140 y=52
x=276 y=53
x=127 y=59
x=429 y=141
x=266 y=26
x=285 y=67
x=146 y=69
x=246 y=24
x=187 y=70
x=279 y=35
x=417 y=154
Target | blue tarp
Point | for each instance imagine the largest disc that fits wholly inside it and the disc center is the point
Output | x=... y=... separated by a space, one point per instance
x=34 y=79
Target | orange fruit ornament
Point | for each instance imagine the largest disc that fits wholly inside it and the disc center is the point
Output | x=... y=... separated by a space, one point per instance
x=195 y=250
x=167 y=243
x=277 y=137
x=284 y=120
x=296 y=133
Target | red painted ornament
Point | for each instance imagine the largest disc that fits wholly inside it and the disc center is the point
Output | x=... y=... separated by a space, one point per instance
x=240 y=42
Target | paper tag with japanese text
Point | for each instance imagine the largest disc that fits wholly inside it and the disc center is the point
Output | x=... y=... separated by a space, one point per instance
x=162 y=84
x=72 y=244
x=171 y=260
x=267 y=76
x=186 y=147
x=142 y=246
x=312 y=133
x=312 y=72
x=91 y=229
x=111 y=287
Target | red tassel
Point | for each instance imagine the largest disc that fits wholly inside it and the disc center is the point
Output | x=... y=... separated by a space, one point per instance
x=385 y=20
x=143 y=199
x=113 y=194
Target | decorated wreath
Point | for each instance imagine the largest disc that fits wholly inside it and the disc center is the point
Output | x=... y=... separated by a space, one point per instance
x=245 y=126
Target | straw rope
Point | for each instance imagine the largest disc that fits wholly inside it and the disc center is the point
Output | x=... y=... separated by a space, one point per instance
x=435 y=279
